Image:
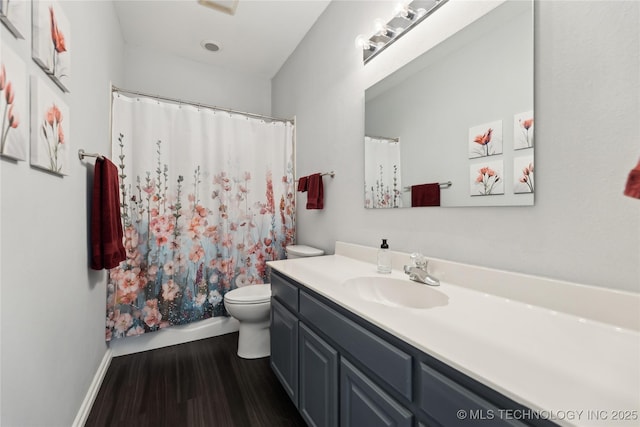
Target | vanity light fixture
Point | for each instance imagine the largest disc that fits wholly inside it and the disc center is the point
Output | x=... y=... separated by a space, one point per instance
x=406 y=15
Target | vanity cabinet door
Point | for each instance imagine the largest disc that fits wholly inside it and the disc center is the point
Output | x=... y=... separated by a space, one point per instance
x=362 y=403
x=318 y=387
x=284 y=348
x=451 y=404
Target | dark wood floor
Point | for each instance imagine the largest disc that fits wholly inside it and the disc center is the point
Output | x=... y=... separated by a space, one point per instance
x=201 y=383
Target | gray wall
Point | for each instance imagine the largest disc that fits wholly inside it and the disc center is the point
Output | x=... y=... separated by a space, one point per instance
x=171 y=76
x=587 y=104
x=52 y=309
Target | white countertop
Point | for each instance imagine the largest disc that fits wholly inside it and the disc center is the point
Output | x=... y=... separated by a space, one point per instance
x=574 y=370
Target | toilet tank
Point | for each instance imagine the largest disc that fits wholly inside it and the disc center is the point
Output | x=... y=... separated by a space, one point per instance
x=302 y=251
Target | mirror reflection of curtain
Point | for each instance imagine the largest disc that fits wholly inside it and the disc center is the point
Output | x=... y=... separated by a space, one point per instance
x=208 y=199
x=382 y=182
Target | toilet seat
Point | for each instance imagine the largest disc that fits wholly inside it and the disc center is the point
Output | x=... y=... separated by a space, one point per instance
x=252 y=294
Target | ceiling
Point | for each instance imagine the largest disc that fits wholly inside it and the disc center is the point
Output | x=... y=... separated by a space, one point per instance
x=257 y=39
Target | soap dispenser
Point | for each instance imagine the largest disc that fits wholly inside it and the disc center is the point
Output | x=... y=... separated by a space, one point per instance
x=384 y=258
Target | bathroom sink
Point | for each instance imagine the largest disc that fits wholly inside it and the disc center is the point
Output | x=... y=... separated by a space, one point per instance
x=395 y=292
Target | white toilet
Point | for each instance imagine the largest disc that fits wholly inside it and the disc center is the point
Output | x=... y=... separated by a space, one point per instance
x=302 y=251
x=251 y=305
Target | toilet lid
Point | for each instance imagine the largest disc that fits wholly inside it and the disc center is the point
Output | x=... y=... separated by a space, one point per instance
x=252 y=294
x=304 y=250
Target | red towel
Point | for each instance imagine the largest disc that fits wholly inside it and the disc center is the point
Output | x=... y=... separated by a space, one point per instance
x=425 y=195
x=633 y=183
x=315 y=192
x=302 y=183
x=107 y=250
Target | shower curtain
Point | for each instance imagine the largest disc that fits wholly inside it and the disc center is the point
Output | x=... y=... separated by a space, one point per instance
x=382 y=180
x=207 y=198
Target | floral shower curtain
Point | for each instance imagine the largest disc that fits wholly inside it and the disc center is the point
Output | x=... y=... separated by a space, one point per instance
x=207 y=198
x=382 y=180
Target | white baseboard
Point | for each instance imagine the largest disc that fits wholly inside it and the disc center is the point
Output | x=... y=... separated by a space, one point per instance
x=174 y=335
x=87 y=403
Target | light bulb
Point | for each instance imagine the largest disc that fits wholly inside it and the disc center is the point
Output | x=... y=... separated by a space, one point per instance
x=379 y=25
x=363 y=43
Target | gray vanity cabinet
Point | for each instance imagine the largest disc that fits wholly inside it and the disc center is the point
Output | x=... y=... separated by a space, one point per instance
x=341 y=370
x=284 y=348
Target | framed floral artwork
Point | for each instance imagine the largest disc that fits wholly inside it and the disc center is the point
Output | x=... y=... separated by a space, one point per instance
x=485 y=140
x=51 y=42
x=50 y=124
x=14 y=14
x=14 y=106
x=523 y=130
x=486 y=178
x=523 y=181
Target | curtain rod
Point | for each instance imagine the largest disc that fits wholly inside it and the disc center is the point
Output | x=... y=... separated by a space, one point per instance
x=197 y=104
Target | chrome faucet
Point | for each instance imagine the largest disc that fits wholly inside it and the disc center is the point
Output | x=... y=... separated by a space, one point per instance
x=418 y=271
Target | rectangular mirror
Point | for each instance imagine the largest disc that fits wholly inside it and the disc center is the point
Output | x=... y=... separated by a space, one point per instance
x=455 y=126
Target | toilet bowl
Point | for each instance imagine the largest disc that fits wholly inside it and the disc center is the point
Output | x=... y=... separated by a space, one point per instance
x=302 y=251
x=251 y=305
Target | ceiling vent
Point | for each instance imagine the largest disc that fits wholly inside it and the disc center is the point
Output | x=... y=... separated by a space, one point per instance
x=225 y=6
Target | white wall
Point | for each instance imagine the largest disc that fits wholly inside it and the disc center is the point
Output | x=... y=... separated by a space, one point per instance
x=171 y=76
x=587 y=104
x=52 y=313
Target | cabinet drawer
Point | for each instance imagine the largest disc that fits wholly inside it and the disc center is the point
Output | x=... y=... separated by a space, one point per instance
x=388 y=362
x=285 y=292
x=365 y=404
x=442 y=399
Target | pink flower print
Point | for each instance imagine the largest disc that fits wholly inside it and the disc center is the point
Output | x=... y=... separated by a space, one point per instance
x=168 y=268
x=123 y=322
x=194 y=228
x=129 y=282
x=200 y=299
x=162 y=227
x=152 y=272
x=54 y=135
x=211 y=231
x=242 y=280
x=484 y=140
x=247 y=176
x=170 y=290
x=213 y=278
x=227 y=241
x=150 y=187
x=488 y=178
x=201 y=211
x=60 y=135
x=9 y=94
x=527 y=176
x=135 y=331
x=180 y=260
x=151 y=314
x=233 y=226
x=196 y=253
x=13 y=119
